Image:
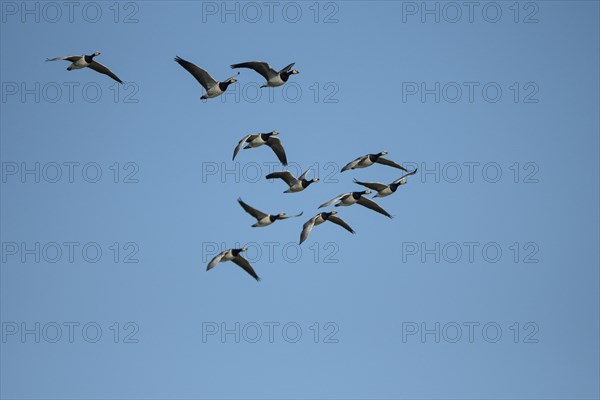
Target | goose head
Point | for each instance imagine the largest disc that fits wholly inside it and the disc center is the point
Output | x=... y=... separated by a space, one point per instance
x=368 y=191
x=383 y=153
x=96 y=53
x=243 y=249
x=314 y=180
x=281 y=214
x=294 y=72
x=274 y=133
x=333 y=212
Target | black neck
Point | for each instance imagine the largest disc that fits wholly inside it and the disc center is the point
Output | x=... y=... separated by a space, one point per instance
x=285 y=75
x=224 y=85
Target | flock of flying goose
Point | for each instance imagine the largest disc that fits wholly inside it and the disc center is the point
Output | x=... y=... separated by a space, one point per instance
x=273 y=78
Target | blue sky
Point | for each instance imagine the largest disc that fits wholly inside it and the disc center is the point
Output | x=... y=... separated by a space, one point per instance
x=497 y=230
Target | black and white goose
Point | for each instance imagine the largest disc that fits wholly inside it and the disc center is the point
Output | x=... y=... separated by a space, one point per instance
x=319 y=219
x=212 y=87
x=235 y=256
x=348 y=199
x=263 y=219
x=260 y=139
x=295 y=184
x=384 y=190
x=370 y=159
x=273 y=77
x=79 y=62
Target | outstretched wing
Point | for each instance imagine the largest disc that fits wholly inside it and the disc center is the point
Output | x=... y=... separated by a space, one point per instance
x=372 y=185
x=307 y=227
x=340 y=222
x=201 y=75
x=96 y=66
x=252 y=211
x=352 y=164
x=215 y=260
x=245 y=264
x=239 y=146
x=286 y=69
x=397 y=181
x=261 y=67
x=390 y=163
x=330 y=202
x=291 y=216
x=275 y=144
x=363 y=201
x=68 y=58
x=285 y=175
x=303 y=176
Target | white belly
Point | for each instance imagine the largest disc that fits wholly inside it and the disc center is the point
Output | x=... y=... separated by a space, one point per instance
x=364 y=163
x=347 y=201
x=256 y=142
x=79 y=64
x=297 y=187
x=214 y=92
x=275 y=81
x=266 y=221
x=385 y=192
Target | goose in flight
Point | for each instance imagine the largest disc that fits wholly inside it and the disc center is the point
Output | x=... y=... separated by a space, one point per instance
x=263 y=219
x=273 y=77
x=370 y=159
x=260 y=139
x=235 y=256
x=212 y=87
x=319 y=219
x=83 y=61
x=384 y=190
x=347 y=199
x=295 y=184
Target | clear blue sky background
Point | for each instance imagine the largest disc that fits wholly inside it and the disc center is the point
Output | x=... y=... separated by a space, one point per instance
x=172 y=213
